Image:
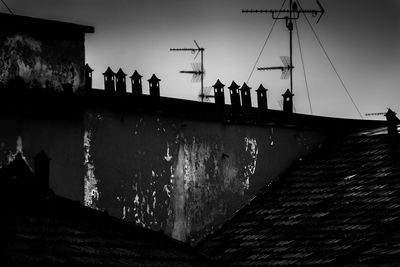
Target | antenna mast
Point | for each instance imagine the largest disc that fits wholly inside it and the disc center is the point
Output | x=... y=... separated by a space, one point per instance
x=293 y=13
x=198 y=71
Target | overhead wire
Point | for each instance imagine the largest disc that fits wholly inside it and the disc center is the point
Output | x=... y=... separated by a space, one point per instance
x=9 y=10
x=330 y=61
x=304 y=69
x=265 y=43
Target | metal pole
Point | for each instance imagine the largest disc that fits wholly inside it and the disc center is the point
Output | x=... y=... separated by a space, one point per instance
x=202 y=76
x=290 y=26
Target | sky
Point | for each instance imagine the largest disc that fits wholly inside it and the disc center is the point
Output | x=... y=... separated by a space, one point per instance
x=362 y=38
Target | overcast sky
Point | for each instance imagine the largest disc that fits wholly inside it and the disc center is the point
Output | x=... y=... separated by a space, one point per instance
x=362 y=38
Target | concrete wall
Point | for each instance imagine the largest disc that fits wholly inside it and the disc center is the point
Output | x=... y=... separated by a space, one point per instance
x=35 y=60
x=182 y=176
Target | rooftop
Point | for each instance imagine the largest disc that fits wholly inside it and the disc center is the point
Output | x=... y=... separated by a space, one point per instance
x=43 y=229
x=338 y=207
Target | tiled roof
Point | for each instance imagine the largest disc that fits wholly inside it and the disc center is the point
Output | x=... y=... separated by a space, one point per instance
x=47 y=230
x=339 y=206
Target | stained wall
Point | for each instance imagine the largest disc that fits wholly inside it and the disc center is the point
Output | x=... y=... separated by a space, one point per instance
x=182 y=176
x=37 y=60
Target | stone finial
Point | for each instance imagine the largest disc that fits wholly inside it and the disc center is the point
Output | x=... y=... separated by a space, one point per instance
x=154 y=86
x=136 y=83
x=392 y=122
x=246 y=96
x=88 y=77
x=219 y=93
x=234 y=92
x=288 y=101
x=120 y=81
x=109 y=78
x=262 y=101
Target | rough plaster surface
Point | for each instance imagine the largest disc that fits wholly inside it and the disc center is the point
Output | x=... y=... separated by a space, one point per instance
x=180 y=176
x=41 y=62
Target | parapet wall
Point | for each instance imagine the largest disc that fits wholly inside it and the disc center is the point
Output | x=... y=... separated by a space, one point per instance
x=179 y=166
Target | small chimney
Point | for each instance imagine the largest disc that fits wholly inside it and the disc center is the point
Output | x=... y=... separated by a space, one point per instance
x=136 y=82
x=154 y=86
x=42 y=171
x=219 y=93
x=109 y=77
x=234 y=92
x=88 y=77
x=262 y=97
x=392 y=122
x=246 y=97
x=120 y=80
x=288 y=101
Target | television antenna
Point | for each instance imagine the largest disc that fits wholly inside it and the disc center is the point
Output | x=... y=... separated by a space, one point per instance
x=205 y=95
x=285 y=68
x=289 y=15
x=197 y=68
x=375 y=114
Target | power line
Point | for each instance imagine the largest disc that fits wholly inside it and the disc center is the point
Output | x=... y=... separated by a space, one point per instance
x=265 y=43
x=330 y=61
x=9 y=10
x=304 y=69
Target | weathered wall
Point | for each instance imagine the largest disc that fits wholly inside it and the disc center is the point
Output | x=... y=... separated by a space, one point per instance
x=60 y=138
x=36 y=60
x=182 y=176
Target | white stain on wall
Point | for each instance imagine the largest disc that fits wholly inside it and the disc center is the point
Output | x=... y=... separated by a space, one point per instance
x=10 y=157
x=31 y=67
x=91 y=193
x=250 y=168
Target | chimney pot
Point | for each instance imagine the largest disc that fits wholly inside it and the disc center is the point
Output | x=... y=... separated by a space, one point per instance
x=219 y=95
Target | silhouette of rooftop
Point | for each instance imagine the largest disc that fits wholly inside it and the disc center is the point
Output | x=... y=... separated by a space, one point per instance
x=43 y=229
x=44 y=26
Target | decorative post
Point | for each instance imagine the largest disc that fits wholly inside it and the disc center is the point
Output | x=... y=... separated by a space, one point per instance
x=42 y=171
x=262 y=101
x=88 y=77
x=219 y=95
x=109 y=84
x=288 y=101
x=245 y=94
x=120 y=80
x=154 y=86
x=234 y=92
x=136 y=82
x=392 y=122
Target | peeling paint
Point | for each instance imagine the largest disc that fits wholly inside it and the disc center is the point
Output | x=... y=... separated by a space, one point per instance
x=250 y=168
x=31 y=61
x=10 y=156
x=174 y=175
x=91 y=194
x=271 y=137
x=168 y=157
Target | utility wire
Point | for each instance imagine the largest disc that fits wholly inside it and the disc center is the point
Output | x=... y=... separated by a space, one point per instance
x=265 y=43
x=330 y=61
x=9 y=10
x=304 y=69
